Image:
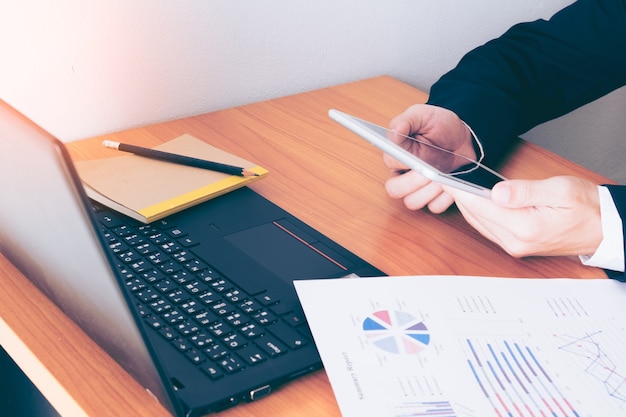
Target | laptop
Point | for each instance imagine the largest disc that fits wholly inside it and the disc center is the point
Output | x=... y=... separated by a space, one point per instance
x=199 y=307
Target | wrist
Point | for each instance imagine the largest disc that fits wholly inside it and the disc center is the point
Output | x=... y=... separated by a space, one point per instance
x=475 y=144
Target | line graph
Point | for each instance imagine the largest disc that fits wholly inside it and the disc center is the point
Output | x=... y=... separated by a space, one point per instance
x=599 y=364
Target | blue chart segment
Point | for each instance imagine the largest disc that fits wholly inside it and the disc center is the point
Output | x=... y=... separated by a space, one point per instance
x=396 y=332
x=425 y=409
x=514 y=381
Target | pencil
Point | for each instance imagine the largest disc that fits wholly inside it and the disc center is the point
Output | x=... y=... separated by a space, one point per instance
x=179 y=159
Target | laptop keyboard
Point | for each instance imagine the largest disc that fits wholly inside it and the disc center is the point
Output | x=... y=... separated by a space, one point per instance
x=213 y=322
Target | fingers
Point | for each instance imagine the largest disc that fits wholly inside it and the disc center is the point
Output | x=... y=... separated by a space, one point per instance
x=402 y=127
x=496 y=223
x=393 y=163
x=515 y=193
x=409 y=121
x=555 y=216
x=441 y=203
x=399 y=186
x=418 y=192
x=552 y=192
x=439 y=126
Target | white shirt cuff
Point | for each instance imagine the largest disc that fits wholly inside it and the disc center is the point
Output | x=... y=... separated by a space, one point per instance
x=610 y=253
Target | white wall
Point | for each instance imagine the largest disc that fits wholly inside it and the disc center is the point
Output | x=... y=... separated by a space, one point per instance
x=82 y=68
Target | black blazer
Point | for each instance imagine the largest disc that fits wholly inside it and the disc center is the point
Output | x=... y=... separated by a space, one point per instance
x=536 y=72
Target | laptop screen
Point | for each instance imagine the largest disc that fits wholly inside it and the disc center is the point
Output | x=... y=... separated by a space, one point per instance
x=47 y=232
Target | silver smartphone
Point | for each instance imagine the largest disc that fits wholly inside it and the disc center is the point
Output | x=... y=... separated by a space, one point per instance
x=472 y=177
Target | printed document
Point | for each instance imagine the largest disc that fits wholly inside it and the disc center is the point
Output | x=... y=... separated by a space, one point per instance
x=455 y=346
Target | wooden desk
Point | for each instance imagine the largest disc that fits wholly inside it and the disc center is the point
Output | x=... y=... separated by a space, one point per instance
x=321 y=173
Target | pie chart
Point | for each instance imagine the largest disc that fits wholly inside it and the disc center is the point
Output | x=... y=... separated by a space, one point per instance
x=396 y=332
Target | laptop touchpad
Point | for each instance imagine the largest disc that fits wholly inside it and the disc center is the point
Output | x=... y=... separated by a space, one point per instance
x=288 y=252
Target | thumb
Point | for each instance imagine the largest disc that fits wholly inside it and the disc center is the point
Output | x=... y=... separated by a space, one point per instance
x=520 y=193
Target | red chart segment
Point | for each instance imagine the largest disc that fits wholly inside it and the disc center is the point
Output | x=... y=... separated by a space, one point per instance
x=396 y=332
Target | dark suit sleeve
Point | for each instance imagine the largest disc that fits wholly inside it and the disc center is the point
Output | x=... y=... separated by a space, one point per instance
x=618 y=192
x=537 y=71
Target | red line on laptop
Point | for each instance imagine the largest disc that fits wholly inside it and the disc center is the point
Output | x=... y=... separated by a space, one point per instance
x=310 y=246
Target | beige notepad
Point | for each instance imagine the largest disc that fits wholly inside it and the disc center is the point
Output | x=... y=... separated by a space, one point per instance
x=148 y=189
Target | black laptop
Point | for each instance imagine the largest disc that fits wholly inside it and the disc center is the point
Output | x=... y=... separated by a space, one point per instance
x=199 y=307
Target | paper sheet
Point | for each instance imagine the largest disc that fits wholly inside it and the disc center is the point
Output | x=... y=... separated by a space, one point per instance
x=471 y=346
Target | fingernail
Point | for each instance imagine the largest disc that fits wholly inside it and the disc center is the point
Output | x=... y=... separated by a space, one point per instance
x=501 y=194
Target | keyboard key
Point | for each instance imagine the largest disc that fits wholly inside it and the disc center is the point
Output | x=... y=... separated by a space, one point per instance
x=195 y=356
x=173 y=316
x=251 y=330
x=181 y=344
x=145 y=248
x=267 y=299
x=196 y=287
x=117 y=246
x=295 y=319
x=146 y=295
x=160 y=306
x=186 y=328
x=154 y=322
x=108 y=220
x=178 y=296
x=252 y=354
x=280 y=308
x=194 y=265
x=133 y=239
x=200 y=340
x=292 y=338
x=219 y=329
x=158 y=238
x=170 y=247
x=220 y=285
x=123 y=230
x=234 y=341
x=215 y=351
x=183 y=256
x=250 y=306
x=158 y=258
x=222 y=308
x=140 y=266
x=208 y=298
x=187 y=242
x=142 y=310
x=169 y=267
x=165 y=223
x=230 y=364
x=191 y=306
x=213 y=371
x=166 y=285
x=181 y=276
x=135 y=284
x=147 y=229
x=167 y=332
x=264 y=317
x=152 y=275
x=129 y=256
x=208 y=275
x=236 y=319
x=234 y=295
x=176 y=233
x=204 y=318
x=271 y=346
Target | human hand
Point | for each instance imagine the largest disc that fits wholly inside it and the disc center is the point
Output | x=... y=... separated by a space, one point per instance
x=440 y=127
x=555 y=216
